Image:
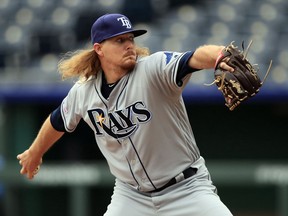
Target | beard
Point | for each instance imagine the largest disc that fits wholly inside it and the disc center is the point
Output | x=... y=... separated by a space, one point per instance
x=129 y=63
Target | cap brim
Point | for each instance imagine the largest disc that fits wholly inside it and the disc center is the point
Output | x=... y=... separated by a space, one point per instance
x=135 y=32
x=139 y=32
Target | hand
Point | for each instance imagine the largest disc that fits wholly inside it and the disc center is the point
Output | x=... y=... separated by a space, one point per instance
x=225 y=66
x=30 y=163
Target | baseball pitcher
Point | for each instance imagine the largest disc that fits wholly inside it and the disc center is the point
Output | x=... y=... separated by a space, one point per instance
x=132 y=100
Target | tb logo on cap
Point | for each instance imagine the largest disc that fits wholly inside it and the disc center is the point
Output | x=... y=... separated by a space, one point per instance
x=125 y=22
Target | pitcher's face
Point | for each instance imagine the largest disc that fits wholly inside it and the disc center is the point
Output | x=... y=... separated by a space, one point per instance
x=119 y=52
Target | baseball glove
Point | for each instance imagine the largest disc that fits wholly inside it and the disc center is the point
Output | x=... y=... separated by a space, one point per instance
x=243 y=82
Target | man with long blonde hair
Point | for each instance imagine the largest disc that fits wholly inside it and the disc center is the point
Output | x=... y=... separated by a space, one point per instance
x=133 y=102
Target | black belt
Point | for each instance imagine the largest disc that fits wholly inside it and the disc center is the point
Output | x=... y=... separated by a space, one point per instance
x=186 y=173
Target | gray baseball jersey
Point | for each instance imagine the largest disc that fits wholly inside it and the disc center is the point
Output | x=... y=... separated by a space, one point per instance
x=142 y=129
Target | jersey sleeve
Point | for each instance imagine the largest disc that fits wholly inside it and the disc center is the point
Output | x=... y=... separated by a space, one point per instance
x=170 y=70
x=70 y=109
x=57 y=120
x=183 y=68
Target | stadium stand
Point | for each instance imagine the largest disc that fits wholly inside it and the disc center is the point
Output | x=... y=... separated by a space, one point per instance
x=32 y=29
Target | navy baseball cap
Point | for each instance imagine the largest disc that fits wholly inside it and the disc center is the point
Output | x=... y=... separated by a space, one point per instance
x=111 y=25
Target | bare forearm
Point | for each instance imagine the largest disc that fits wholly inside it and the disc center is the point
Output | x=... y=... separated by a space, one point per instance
x=46 y=137
x=31 y=159
x=205 y=57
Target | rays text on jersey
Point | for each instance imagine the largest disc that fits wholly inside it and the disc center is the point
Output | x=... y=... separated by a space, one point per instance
x=121 y=123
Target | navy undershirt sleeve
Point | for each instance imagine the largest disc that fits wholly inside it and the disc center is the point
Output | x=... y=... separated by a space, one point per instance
x=57 y=120
x=184 y=68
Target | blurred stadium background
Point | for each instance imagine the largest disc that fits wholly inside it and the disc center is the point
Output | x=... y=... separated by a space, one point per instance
x=246 y=150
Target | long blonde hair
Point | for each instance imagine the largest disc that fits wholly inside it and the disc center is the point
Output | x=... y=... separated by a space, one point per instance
x=85 y=63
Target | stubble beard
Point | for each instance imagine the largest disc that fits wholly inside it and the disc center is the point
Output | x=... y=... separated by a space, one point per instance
x=129 y=65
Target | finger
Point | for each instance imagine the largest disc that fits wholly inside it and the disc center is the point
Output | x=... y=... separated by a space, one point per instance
x=30 y=175
x=23 y=171
x=19 y=157
x=225 y=66
x=36 y=170
x=230 y=69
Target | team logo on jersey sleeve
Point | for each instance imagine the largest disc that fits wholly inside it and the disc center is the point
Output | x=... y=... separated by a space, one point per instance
x=121 y=123
x=169 y=56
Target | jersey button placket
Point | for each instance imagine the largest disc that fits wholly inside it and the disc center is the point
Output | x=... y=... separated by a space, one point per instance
x=133 y=162
x=143 y=180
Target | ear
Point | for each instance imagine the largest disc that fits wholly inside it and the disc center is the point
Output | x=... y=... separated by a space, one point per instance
x=98 y=49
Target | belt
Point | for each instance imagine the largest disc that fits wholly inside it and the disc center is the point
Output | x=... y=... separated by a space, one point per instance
x=185 y=174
